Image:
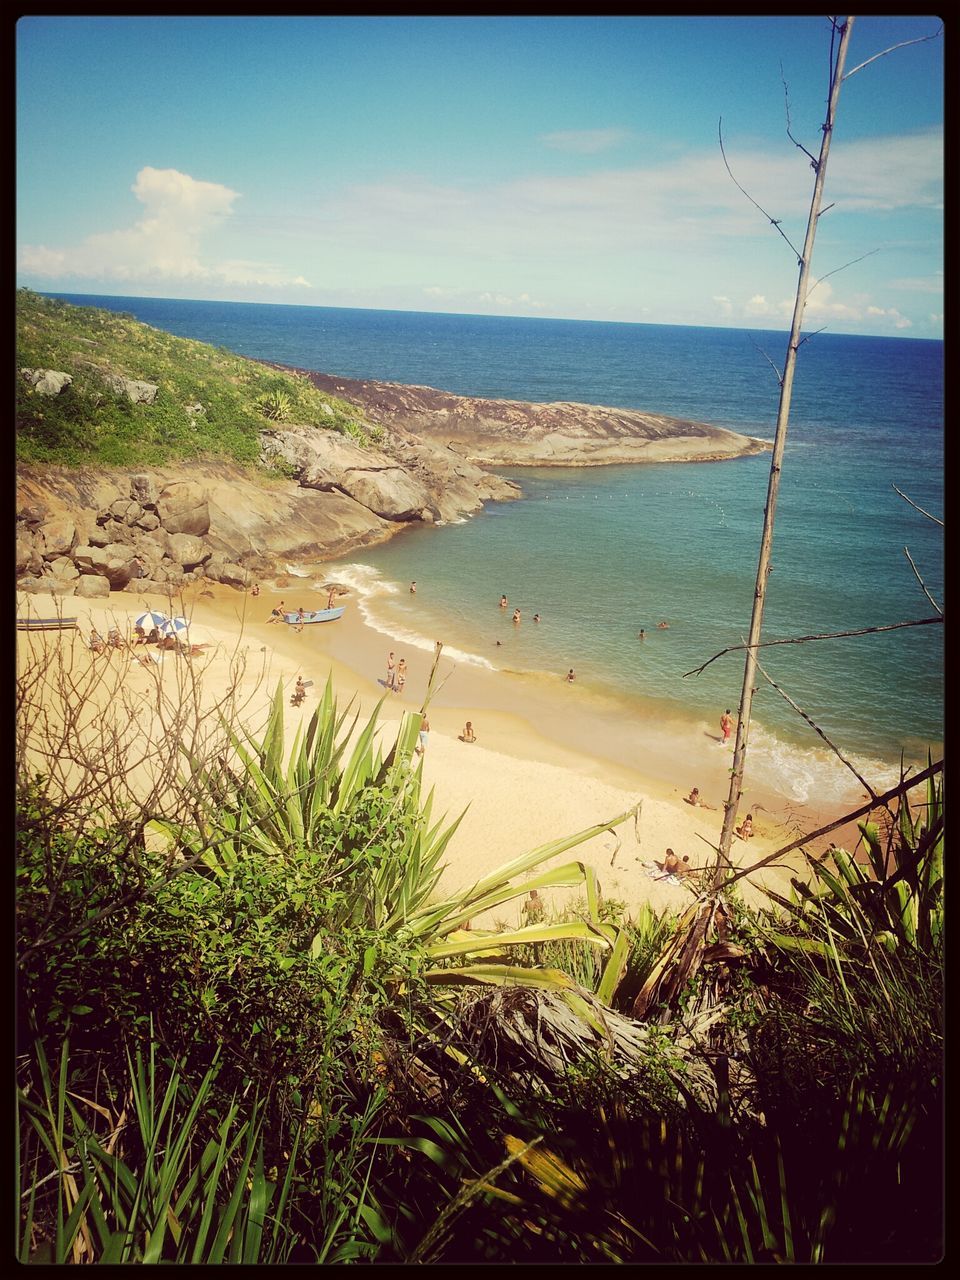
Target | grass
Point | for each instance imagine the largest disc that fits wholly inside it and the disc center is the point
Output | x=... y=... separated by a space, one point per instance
x=230 y=400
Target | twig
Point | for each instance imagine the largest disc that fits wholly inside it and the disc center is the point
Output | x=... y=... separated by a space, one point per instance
x=887 y=796
x=810 y=335
x=816 y=728
x=902 y=45
x=836 y=270
x=920 y=509
x=760 y=351
x=774 y=222
x=906 y=552
x=830 y=635
x=814 y=163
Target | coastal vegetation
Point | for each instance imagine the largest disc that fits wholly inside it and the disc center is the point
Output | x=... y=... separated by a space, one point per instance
x=250 y=1029
x=210 y=403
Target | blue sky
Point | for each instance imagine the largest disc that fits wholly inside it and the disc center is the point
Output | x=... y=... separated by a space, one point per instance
x=562 y=167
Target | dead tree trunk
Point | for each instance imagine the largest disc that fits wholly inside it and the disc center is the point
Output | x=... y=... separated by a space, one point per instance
x=776 y=463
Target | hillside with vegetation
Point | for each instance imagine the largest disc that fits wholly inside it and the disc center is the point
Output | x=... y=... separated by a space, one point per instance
x=210 y=403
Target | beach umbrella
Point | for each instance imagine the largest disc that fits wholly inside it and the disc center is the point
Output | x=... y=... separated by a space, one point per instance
x=150 y=619
x=174 y=626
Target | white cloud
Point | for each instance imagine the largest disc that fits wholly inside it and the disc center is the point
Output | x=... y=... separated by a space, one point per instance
x=166 y=242
x=585 y=141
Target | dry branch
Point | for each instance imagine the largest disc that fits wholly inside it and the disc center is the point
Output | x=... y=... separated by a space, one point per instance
x=828 y=635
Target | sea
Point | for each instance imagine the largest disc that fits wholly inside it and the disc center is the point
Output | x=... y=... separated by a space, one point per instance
x=602 y=553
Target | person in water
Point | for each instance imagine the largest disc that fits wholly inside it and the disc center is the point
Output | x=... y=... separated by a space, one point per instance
x=570 y=676
x=503 y=602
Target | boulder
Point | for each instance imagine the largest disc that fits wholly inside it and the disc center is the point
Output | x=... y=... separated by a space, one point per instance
x=47 y=382
x=231 y=575
x=149 y=521
x=28 y=557
x=143 y=489
x=59 y=536
x=137 y=392
x=34 y=585
x=114 y=562
x=183 y=507
x=92 y=587
x=32 y=517
x=391 y=493
x=126 y=510
x=63 y=568
x=187 y=550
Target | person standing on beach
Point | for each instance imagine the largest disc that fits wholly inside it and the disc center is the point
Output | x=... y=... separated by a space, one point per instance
x=276 y=615
x=391 y=670
x=726 y=726
x=424 y=733
x=570 y=676
x=400 y=676
x=300 y=618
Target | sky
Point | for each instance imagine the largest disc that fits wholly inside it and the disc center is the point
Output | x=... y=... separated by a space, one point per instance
x=538 y=166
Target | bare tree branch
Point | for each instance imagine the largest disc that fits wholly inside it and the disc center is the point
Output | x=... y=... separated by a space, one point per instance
x=810 y=335
x=916 y=508
x=836 y=270
x=923 y=585
x=829 y=635
x=902 y=45
x=760 y=351
x=814 y=163
x=816 y=728
x=774 y=222
x=887 y=796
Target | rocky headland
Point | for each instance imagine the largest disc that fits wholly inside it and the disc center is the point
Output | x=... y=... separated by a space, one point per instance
x=369 y=458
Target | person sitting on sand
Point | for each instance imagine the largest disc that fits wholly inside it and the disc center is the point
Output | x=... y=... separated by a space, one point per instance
x=96 y=641
x=468 y=735
x=533 y=908
x=153 y=636
x=139 y=635
x=745 y=829
x=503 y=602
x=570 y=676
x=695 y=799
x=400 y=676
x=276 y=615
x=671 y=863
x=114 y=638
x=255 y=589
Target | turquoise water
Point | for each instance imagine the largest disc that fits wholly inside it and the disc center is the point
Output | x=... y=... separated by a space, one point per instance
x=602 y=552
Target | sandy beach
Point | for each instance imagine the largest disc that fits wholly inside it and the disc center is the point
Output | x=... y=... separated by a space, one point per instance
x=523 y=783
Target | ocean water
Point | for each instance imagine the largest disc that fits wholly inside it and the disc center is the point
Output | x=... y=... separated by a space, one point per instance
x=600 y=553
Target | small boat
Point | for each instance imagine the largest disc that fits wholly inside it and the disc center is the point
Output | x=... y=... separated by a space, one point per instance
x=315 y=615
x=46 y=624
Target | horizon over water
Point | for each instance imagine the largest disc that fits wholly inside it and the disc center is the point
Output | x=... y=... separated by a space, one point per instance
x=602 y=552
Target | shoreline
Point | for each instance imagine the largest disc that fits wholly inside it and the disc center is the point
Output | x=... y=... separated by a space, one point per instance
x=541 y=768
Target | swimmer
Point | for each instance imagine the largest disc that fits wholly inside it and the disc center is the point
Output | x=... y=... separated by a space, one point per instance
x=536 y=617
x=413 y=588
x=516 y=615
x=503 y=602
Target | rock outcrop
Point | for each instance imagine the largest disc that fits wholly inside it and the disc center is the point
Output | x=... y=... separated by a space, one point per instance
x=94 y=531
x=514 y=433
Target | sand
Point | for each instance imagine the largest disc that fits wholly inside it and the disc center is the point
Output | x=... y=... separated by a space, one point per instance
x=521 y=787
